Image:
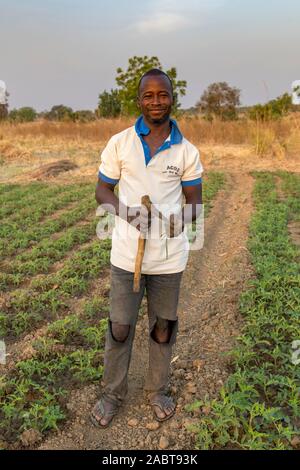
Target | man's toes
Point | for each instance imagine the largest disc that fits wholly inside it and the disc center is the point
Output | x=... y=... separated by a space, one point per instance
x=159 y=412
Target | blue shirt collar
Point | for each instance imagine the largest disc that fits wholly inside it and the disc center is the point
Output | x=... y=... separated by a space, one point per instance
x=142 y=129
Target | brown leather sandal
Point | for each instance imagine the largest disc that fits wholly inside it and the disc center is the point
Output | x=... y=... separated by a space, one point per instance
x=99 y=412
x=162 y=401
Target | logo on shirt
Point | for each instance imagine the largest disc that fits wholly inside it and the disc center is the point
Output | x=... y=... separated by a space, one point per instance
x=172 y=170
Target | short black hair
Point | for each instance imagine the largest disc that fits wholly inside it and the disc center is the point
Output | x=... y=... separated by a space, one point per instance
x=153 y=73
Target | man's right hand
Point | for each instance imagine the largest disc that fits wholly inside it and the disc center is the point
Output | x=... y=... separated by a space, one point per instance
x=140 y=218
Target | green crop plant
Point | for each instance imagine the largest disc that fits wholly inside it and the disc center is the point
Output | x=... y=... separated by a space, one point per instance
x=258 y=407
x=28 y=217
x=33 y=394
x=94 y=306
x=94 y=335
x=22 y=239
x=30 y=199
x=86 y=365
x=214 y=182
x=66 y=328
x=12 y=193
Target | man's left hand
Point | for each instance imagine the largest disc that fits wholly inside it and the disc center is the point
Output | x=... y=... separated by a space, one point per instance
x=175 y=225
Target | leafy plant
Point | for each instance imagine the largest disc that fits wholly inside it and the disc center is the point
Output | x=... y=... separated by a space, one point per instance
x=258 y=407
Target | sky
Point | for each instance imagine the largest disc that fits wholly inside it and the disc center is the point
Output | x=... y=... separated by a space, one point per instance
x=67 y=51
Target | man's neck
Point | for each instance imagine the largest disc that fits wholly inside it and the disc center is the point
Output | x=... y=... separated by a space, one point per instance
x=158 y=129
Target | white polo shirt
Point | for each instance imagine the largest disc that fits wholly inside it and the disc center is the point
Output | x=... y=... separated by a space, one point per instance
x=126 y=161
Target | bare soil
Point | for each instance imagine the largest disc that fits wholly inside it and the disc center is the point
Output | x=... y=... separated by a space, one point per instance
x=86 y=156
x=294 y=231
x=53 y=169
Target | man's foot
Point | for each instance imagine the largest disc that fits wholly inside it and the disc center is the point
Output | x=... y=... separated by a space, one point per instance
x=103 y=413
x=163 y=406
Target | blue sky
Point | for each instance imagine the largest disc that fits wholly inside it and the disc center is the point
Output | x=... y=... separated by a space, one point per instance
x=67 y=51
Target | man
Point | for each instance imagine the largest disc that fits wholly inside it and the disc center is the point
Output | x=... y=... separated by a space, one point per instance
x=150 y=158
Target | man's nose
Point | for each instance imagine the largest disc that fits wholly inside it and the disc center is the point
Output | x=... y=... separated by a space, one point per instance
x=156 y=99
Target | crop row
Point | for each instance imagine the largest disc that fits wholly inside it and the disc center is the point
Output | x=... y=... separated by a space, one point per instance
x=44 y=255
x=29 y=216
x=49 y=294
x=34 y=394
x=22 y=239
x=11 y=192
x=6 y=188
x=26 y=308
x=24 y=203
x=211 y=186
x=290 y=185
x=14 y=237
x=259 y=405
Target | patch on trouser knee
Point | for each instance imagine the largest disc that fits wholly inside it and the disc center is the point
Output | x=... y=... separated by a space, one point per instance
x=163 y=324
x=119 y=332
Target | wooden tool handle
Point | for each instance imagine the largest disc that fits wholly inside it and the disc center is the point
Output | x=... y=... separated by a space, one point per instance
x=145 y=201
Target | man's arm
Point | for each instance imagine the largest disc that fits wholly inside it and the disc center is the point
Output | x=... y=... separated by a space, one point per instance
x=193 y=198
x=106 y=197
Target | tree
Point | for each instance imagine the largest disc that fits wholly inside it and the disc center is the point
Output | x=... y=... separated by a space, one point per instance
x=179 y=88
x=25 y=114
x=220 y=100
x=128 y=82
x=84 y=115
x=274 y=109
x=60 y=113
x=109 y=104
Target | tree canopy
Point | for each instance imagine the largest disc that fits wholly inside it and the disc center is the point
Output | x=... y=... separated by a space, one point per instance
x=274 y=109
x=109 y=104
x=59 y=112
x=220 y=100
x=24 y=114
x=123 y=99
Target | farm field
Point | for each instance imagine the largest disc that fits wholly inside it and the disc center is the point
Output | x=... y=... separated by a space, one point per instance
x=49 y=273
x=259 y=405
x=233 y=377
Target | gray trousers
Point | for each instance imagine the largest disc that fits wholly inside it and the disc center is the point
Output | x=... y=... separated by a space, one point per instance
x=162 y=298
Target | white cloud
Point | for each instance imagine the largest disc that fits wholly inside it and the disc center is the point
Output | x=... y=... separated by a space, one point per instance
x=162 y=22
x=173 y=15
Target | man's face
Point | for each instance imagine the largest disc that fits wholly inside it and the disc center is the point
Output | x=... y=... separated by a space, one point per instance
x=155 y=98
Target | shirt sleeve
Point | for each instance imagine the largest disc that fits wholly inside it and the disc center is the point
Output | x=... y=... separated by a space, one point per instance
x=192 y=173
x=110 y=168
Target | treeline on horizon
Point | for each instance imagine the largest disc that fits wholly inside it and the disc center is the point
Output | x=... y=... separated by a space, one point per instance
x=218 y=101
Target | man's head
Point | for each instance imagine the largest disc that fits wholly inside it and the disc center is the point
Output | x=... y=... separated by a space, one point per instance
x=155 y=96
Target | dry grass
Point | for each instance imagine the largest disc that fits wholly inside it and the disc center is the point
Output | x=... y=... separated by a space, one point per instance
x=24 y=148
x=97 y=131
x=263 y=136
